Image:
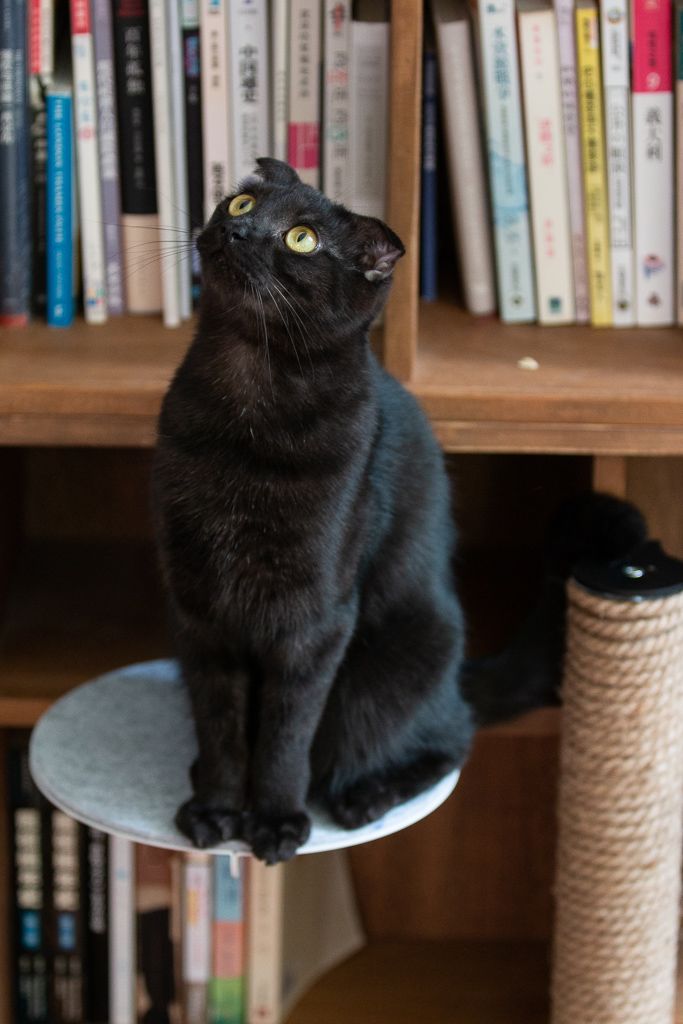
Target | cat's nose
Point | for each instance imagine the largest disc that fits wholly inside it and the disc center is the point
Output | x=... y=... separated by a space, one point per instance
x=237 y=233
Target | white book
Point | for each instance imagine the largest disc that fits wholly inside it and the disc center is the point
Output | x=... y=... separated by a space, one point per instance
x=302 y=920
x=369 y=116
x=250 y=92
x=540 y=66
x=653 y=161
x=305 y=56
x=507 y=163
x=336 y=100
x=566 y=39
x=89 y=192
x=164 y=154
x=213 y=44
x=122 y=966
x=465 y=154
x=181 y=198
x=614 y=18
x=196 y=935
x=279 y=64
x=264 y=942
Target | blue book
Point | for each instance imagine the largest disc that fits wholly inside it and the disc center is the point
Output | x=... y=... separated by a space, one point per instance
x=428 y=210
x=507 y=160
x=15 y=204
x=60 y=247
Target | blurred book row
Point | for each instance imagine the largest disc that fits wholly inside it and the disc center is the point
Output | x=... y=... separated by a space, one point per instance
x=111 y=932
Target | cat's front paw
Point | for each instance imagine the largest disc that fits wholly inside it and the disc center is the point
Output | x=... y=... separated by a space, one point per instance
x=206 y=824
x=274 y=838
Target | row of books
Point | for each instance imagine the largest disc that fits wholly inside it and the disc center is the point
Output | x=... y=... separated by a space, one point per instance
x=111 y=932
x=559 y=134
x=124 y=122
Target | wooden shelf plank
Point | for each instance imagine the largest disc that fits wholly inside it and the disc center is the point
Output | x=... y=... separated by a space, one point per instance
x=433 y=983
x=77 y=610
x=607 y=391
x=596 y=391
x=87 y=385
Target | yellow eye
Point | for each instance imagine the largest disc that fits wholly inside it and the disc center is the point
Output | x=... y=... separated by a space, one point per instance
x=241 y=204
x=301 y=239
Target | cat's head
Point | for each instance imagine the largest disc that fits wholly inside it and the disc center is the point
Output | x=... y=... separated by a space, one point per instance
x=280 y=246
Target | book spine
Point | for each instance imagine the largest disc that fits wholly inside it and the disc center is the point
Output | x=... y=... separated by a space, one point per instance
x=547 y=168
x=279 y=50
x=213 y=30
x=97 y=927
x=336 y=100
x=121 y=932
x=41 y=30
x=89 y=192
x=39 y=196
x=653 y=206
x=67 y=919
x=30 y=964
x=369 y=101
x=428 y=205
x=593 y=158
x=15 y=233
x=678 y=39
x=181 y=198
x=193 y=130
x=250 y=91
x=303 y=133
x=196 y=936
x=465 y=153
x=139 y=221
x=165 y=153
x=109 y=153
x=60 y=233
x=226 y=988
x=615 y=74
x=507 y=168
x=566 y=41
x=264 y=942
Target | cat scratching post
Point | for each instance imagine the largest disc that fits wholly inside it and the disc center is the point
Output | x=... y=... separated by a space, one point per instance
x=621 y=795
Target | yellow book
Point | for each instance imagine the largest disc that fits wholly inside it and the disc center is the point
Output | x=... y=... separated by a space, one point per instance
x=593 y=160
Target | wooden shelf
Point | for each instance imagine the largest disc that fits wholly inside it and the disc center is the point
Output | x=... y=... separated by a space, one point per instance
x=596 y=391
x=77 y=610
x=87 y=385
x=433 y=983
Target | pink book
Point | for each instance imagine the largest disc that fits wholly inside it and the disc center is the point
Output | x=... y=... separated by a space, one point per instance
x=653 y=161
x=305 y=55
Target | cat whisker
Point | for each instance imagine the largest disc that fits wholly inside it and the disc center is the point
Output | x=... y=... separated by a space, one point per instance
x=286 y=325
x=278 y=285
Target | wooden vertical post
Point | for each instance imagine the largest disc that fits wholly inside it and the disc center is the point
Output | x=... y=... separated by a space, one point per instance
x=403 y=213
x=610 y=474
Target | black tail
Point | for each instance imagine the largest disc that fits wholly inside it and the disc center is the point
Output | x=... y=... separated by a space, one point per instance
x=528 y=673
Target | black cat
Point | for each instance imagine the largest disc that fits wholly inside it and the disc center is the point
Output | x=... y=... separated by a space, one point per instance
x=304 y=526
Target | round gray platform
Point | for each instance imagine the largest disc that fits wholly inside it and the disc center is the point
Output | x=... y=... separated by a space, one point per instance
x=115 y=753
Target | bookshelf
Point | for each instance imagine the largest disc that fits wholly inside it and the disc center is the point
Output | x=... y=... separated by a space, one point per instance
x=472 y=926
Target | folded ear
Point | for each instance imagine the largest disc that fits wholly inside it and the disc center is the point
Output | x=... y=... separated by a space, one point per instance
x=380 y=249
x=276 y=172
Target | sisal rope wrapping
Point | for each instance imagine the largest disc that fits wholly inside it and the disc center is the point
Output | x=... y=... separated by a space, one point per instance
x=620 y=812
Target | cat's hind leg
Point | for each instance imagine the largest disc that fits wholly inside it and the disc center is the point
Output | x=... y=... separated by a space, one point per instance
x=370 y=797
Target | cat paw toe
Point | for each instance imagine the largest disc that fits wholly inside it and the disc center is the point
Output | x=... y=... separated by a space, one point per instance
x=273 y=839
x=207 y=825
x=360 y=805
